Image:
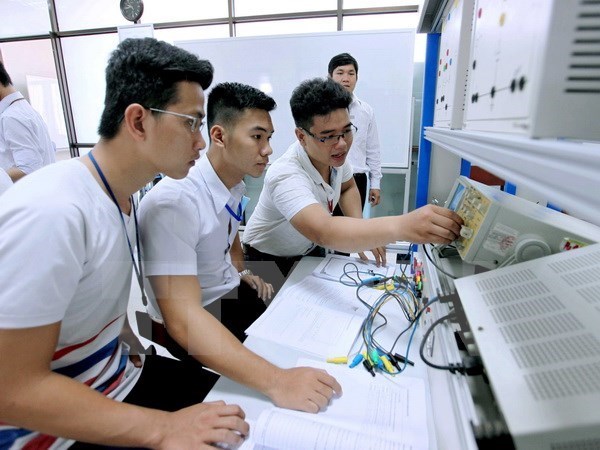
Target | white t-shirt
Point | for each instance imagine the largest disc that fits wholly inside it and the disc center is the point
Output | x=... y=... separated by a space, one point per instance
x=291 y=184
x=64 y=258
x=365 y=154
x=187 y=230
x=24 y=138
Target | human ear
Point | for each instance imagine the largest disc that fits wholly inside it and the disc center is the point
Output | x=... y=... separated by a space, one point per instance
x=133 y=120
x=218 y=135
x=301 y=135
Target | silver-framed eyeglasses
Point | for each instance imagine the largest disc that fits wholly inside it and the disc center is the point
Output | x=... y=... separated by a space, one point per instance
x=334 y=138
x=196 y=124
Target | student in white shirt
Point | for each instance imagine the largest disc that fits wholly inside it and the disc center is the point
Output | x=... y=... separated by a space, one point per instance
x=365 y=155
x=193 y=255
x=301 y=189
x=67 y=240
x=25 y=143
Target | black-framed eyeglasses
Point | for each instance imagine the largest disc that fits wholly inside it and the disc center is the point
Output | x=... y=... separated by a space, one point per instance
x=196 y=124
x=334 y=138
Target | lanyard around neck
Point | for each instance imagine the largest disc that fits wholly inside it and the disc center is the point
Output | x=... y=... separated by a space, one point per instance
x=237 y=216
x=139 y=271
x=16 y=100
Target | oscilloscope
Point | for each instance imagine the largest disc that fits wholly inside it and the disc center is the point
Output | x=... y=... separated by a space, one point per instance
x=501 y=229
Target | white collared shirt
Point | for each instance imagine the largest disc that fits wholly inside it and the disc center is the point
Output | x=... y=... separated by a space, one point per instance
x=187 y=230
x=24 y=139
x=291 y=184
x=364 y=154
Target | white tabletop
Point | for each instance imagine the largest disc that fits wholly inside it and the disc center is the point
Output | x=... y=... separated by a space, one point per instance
x=254 y=403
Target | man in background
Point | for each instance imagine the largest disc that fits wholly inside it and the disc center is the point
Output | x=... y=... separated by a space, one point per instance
x=194 y=258
x=25 y=143
x=365 y=157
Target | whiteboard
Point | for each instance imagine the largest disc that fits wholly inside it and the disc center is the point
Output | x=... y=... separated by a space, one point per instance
x=277 y=64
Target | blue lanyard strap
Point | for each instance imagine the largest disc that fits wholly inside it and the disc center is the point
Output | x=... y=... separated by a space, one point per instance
x=139 y=271
x=237 y=216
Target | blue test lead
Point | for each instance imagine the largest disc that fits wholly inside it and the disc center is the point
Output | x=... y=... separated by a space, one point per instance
x=356 y=361
x=371 y=281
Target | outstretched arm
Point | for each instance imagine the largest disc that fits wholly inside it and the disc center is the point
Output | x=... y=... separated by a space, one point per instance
x=42 y=400
x=428 y=224
x=207 y=340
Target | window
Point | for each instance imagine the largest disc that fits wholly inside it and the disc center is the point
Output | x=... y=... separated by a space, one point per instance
x=31 y=67
x=353 y=4
x=381 y=21
x=85 y=61
x=296 y=26
x=24 y=18
x=173 y=35
x=89 y=14
x=263 y=7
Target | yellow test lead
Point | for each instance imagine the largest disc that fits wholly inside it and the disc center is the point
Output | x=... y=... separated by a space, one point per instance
x=338 y=360
x=387 y=364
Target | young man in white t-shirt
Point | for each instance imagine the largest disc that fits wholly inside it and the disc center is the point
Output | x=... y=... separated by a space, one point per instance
x=67 y=240
x=301 y=189
x=193 y=256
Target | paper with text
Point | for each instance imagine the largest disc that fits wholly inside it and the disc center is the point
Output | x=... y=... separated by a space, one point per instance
x=373 y=413
x=301 y=316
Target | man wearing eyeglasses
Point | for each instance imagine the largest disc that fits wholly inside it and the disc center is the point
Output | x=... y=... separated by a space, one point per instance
x=365 y=157
x=294 y=212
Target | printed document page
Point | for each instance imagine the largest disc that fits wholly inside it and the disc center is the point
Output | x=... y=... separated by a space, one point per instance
x=373 y=413
x=302 y=316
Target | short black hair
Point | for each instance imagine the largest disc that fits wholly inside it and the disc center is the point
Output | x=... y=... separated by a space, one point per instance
x=227 y=101
x=4 y=76
x=343 y=59
x=317 y=97
x=146 y=71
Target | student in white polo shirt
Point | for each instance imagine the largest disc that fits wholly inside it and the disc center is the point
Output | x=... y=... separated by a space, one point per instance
x=302 y=188
x=193 y=256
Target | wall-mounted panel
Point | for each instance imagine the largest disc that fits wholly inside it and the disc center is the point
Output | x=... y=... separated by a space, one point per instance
x=535 y=68
x=452 y=64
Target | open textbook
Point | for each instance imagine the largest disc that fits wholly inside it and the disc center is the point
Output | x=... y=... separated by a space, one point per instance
x=373 y=413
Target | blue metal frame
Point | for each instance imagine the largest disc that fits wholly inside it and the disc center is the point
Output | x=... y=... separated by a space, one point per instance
x=429 y=83
x=465 y=168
